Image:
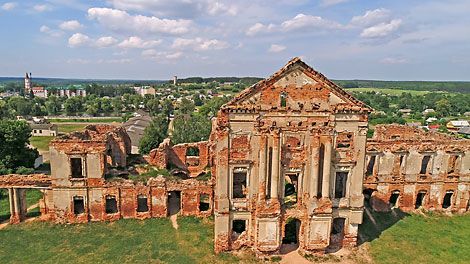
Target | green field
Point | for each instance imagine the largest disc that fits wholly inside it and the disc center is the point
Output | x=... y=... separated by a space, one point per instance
x=386 y=91
x=67 y=128
x=41 y=143
x=32 y=197
x=124 y=241
x=96 y=120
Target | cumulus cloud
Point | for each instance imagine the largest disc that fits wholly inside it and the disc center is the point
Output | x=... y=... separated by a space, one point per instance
x=276 y=48
x=51 y=32
x=178 y=8
x=8 y=6
x=390 y=60
x=303 y=21
x=382 y=30
x=42 y=8
x=260 y=28
x=153 y=54
x=332 y=2
x=121 y=21
x=81 y=40
x=371 y=17
x=138 y=43
x=199 y=44
x=71 y=25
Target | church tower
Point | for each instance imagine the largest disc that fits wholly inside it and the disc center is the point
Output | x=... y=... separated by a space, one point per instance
x=27 y=83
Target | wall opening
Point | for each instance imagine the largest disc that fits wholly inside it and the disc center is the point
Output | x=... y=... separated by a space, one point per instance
x=447 y=202
x=340 y=184
x=192 y=151
x=367 y=195
x=111 y=204
x=424 y=164
x=268 y=180
x=291 y=188
x=452 y=162
x=142 y=204
x=320 y=171
x=291 y=231
x=394 y=198
x=78 y=205
x=76 y=167
x=420 y=199
x=174 y=202
x=370 y=165
x=337 y=233
x=239 y=183
x=283 y=99
x=402 y=157
x=238 y=227
x=204 y=202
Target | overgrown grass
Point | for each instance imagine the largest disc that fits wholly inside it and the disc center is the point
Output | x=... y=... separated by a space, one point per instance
x=32 y=197
x=124 y=241
x=41 y=143
x=424 y=239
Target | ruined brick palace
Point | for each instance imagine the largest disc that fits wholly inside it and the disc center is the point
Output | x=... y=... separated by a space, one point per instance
x=289 y=153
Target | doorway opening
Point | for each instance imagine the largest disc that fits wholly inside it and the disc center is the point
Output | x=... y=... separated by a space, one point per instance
x=337 y=234
x=291 y=232
x=419 y=199
x=174 y=202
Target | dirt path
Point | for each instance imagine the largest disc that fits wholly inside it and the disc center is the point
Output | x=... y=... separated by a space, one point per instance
x=290 y=255
x=173 y=210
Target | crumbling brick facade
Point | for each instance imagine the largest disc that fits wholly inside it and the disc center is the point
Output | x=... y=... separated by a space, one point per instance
x=411 y=169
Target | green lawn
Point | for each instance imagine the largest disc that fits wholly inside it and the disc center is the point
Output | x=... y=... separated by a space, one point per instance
x=386 y=91
x=32 y=197
x=67 y=128
x=421 y=239
x=97 y=120
x=125 y=241
x=41 y=143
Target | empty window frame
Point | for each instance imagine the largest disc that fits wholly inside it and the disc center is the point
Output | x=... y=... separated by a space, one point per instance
x=424 y=164
x=238 y=226
x=452 y=165
x=192 y=152
x=76 y=167
x=394 y=198
x=204 y=200
x=420 y=199
x=142 y=204
x=78 y=205
x=239 y=182
x=370 y=164
x=283 y=99
x=340 y=184
x=291 y=188
x=447 y=202
x=111 y=204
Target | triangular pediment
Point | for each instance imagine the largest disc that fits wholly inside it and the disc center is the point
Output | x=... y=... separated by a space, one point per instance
x=297 y=86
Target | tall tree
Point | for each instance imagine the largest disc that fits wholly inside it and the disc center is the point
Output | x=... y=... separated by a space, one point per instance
x=154 y=134
x=186 y=106
x=192 y=128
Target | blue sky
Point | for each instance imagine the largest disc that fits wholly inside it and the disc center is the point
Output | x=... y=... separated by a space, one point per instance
x=156 y=39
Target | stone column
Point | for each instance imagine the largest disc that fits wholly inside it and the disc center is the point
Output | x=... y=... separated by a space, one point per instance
x=326 y=169
x=262 y=168
x=275 y=168
x=315 y=169
x=12 y=201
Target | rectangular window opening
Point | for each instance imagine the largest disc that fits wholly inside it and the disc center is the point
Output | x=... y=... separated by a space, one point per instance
x=291 y=188
x=452 y=162
x=283 y=99
x=204 y=202
x=111 y=204
x=239 y=183
x=370 y=165
x=142 y=205
x=447 y=199
x=78 y=205
x=424 y=164
x=420 y=199
x=238 y=226
x=320 y=171
x=268 y=180
x=340 y=184
x=76 y=167
x=394 y=198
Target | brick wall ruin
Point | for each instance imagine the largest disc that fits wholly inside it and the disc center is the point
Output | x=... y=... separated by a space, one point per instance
x=287 y=162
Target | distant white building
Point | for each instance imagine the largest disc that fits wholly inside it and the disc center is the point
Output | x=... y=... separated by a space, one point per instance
x=143 y=90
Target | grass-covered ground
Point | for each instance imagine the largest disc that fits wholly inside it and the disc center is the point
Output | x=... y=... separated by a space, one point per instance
x=41 y=143
x=124 y=241
x=95 y=120
x=386 y=91
x=67 y=128
x=32 y=197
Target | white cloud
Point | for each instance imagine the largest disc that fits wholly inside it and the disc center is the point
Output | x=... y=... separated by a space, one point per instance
x=42 y=8
x=332 y=2
x=178 y=8
x=381 y=30
x=199 y=44
x=8 y=6
x=113 y=61
x=121 y=21
x=390 y=60
x=276 y=48
x=71 y=25
x=153 y=54
x=260 y=28
x=138 y=43
x=81 y=40
x=51 y=32
x=303 y=21
x=371 y=17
